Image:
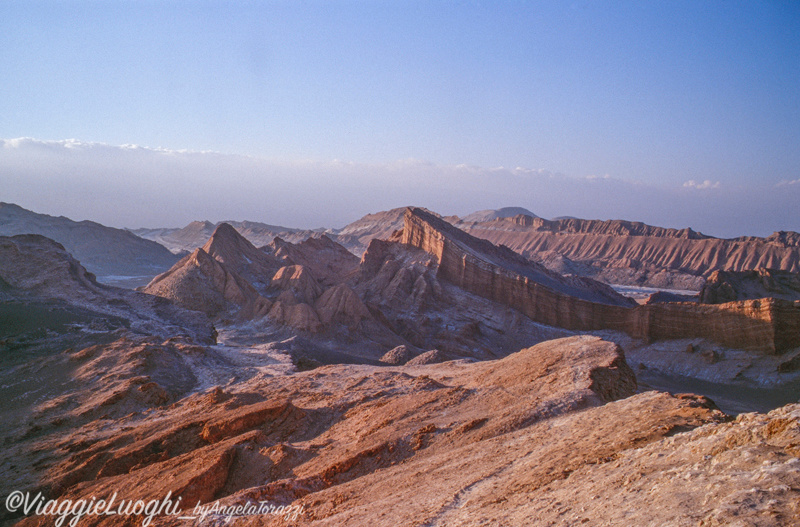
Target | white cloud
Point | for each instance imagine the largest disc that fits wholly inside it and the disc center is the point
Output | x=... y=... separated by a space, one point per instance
x=703 y=185
x=135 y=186
x=786 y=182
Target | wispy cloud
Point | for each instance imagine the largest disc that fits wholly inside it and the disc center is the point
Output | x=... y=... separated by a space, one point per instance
x=707 y=184
x=136 y=186
x=786 y=182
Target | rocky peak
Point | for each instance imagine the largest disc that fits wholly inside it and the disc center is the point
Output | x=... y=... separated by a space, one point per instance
x=454 y=248
x=227 y=245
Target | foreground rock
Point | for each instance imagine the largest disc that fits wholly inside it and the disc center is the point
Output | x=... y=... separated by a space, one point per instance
x=554 y=432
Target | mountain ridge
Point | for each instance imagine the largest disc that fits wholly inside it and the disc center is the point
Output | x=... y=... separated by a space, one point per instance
x=104 y=251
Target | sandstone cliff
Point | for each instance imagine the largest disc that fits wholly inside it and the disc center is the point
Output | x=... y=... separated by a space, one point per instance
x=499 y=274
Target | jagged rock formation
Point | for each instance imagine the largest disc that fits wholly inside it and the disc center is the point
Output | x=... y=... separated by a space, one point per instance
x=44 y=289
x=329 y=261
x=728 y=286
x=297 y=284
x=391 y=298
x=202 y=282
x=230 y=248
x=633 y=253
x=104 y=251
x=475 y=265
x=194 y=235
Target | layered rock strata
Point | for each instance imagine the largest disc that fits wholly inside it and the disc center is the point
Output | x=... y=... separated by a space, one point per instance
x=580 y=304
x=634 y=253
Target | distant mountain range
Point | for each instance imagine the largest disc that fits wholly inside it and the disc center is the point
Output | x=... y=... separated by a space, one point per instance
x=104 y=251
x=614 y=251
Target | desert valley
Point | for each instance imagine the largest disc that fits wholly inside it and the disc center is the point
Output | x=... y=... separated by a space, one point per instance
x=407 y=369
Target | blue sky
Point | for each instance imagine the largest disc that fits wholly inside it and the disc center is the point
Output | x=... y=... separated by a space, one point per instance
x=654 y=94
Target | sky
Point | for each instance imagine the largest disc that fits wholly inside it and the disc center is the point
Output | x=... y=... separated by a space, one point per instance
x=314 y=113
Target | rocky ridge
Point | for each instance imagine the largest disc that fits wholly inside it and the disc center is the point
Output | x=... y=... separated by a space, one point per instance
x=633 y=253
x=45 y=292
x=104 y=251
x=770 y=325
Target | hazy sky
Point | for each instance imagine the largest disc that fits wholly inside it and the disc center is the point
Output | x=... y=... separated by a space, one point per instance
x=689 y=110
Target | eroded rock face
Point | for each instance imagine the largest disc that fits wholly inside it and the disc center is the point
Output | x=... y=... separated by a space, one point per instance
x=341 y=304
x=634 y=253
x=729 y=286
x=43 y=288
x=201 y=283
x=475 y=265
x=299 y=281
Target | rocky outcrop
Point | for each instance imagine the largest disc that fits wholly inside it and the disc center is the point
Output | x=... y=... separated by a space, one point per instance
x=728 y=286
x=44 y=290
x=201 y=283
x=397 y=356
x=329 y=262
x=298 y=281
x=240 y=256
x=501 y=275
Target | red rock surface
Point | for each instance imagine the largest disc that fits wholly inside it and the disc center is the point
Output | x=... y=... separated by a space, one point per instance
x=475 y=265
